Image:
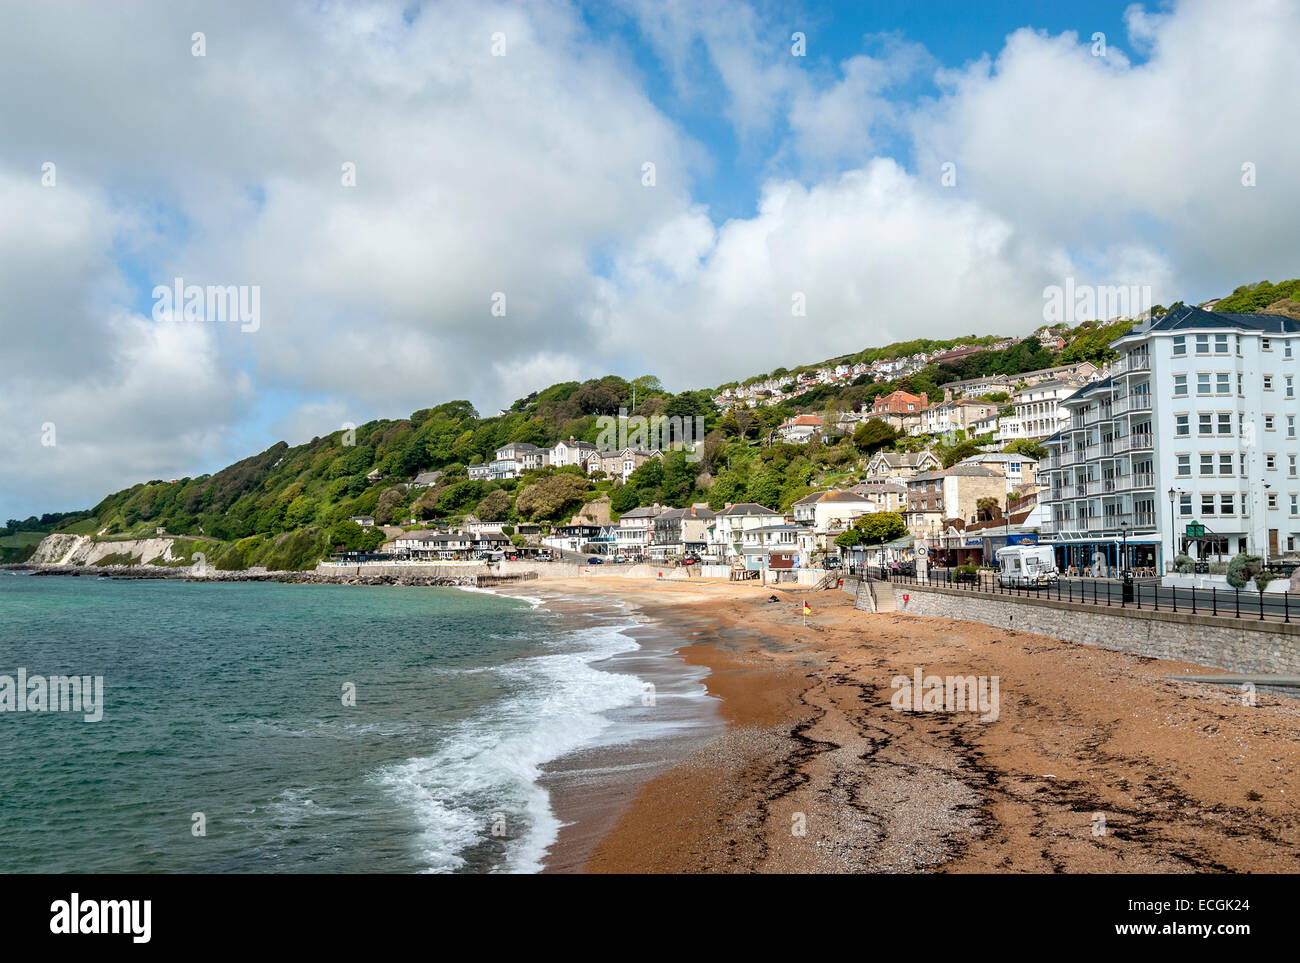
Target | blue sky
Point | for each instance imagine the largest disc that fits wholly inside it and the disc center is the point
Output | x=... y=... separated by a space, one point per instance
x=954 y=32
x=777 y=177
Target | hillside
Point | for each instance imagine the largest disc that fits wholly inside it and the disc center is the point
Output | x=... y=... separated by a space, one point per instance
x=287 y=507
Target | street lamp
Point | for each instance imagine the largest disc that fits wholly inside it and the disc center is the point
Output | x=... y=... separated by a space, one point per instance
x=1123 y=558
x=1173 y=534
x=1263 y=517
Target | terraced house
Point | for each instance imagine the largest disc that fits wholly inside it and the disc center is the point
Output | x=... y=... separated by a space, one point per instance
x=682 y=531
x=1196 y=425
x=726 y=534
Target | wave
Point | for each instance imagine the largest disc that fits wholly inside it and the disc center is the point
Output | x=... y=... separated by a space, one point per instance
x=532 y=600
x=480 y=790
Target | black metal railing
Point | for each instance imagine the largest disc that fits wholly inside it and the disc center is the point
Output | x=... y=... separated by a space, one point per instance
x=1124 y=593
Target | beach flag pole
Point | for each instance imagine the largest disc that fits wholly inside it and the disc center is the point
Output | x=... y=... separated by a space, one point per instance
x=806 y=609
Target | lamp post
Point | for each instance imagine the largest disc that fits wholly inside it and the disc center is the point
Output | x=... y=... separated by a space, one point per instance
x=1173 y=535
x=1263 y=516
x=1123 y=557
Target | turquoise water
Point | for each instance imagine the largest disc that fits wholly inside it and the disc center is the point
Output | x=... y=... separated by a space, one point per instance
x=226 y=700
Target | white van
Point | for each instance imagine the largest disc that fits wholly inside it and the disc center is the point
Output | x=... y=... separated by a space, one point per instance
x=1026 y=566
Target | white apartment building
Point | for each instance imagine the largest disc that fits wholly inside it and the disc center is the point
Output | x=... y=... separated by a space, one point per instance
x=570 y=452
x=515 y=458
x=726 y=534
x=1196 y=424
x=1038 y=412
x=636 y=530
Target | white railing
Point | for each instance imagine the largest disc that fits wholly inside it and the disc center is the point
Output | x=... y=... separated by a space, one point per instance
x=1131 y=362
x=1133 y=403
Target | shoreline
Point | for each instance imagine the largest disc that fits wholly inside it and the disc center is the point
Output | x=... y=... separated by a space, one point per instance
x=1096 y=763
x=773 y=746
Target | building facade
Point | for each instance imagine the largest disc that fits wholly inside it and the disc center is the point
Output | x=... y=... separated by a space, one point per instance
x=1196 y=425
x=1038 y=412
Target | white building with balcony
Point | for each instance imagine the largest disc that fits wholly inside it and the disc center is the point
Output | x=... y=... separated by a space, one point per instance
x=1038 y=411
x=1196 y=424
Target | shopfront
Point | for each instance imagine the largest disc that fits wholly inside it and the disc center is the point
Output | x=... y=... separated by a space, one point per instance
x=1106 y=558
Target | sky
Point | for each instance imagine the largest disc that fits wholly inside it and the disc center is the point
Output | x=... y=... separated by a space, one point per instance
x=444 y=200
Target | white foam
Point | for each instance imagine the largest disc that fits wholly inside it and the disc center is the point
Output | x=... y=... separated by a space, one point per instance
x=492 y=763
x=532 y=600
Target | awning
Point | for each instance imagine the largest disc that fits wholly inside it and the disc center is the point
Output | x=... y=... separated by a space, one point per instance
x=904 y=542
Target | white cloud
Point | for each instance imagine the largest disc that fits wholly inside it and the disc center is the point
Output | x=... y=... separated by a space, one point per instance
x=522 y=174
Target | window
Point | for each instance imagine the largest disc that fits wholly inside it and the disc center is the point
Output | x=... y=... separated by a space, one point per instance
x=1243 y=463
x=1266 y=344
x=1184 y=504
x=1205 y=423
x=1184 y=465
x=1268 y=382
x=1220 y=344
x=1295 y=504
x=1241 y=385
x=1202 y=344
x=1290 y=387
x=1225 y=422
x=1290 y=426
x=1181 y=427
x=1272 y=500
x=1270 y=462
x=1180 y=385
x=1290 y=465
x=1286 y=353
x=1225 y=505
x=1202 y=382
x=1223 y=383
x=1180 y=345
x=1207 y=504
x=1268 y=422
x=1207 y=464
x=1225 y=463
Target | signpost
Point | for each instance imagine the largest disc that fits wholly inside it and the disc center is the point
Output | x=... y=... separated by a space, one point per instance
x=1195 y=530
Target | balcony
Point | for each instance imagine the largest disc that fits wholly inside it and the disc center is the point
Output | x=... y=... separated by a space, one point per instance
x=1136 y=442
x=1130 y=363
x=1132 y=403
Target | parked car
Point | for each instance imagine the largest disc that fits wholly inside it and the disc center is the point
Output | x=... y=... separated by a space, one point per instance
x=545 y=557
x=690 y=560
x=595 y=560
x=834 y=561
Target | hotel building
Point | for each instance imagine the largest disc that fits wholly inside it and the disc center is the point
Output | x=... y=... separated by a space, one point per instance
x=1196 y=424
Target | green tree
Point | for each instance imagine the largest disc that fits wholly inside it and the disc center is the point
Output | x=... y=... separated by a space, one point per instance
x=551 y=498
x=494 y=507
x=1028 y=448
x=873 y=434
x=874 y=528
x=964 y=449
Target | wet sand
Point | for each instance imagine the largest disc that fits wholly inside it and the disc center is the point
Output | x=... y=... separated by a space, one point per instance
x=1095 y=763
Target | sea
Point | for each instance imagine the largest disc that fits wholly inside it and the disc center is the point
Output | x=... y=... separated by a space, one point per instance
x=265 y=727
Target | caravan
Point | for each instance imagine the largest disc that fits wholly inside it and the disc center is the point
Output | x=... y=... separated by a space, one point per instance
x=1026 y=566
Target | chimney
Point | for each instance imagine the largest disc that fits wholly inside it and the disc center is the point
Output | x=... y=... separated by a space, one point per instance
x=947 y=394
x=571 y=441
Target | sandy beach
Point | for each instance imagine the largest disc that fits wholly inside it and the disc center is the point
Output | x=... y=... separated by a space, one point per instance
x=1095 y=763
